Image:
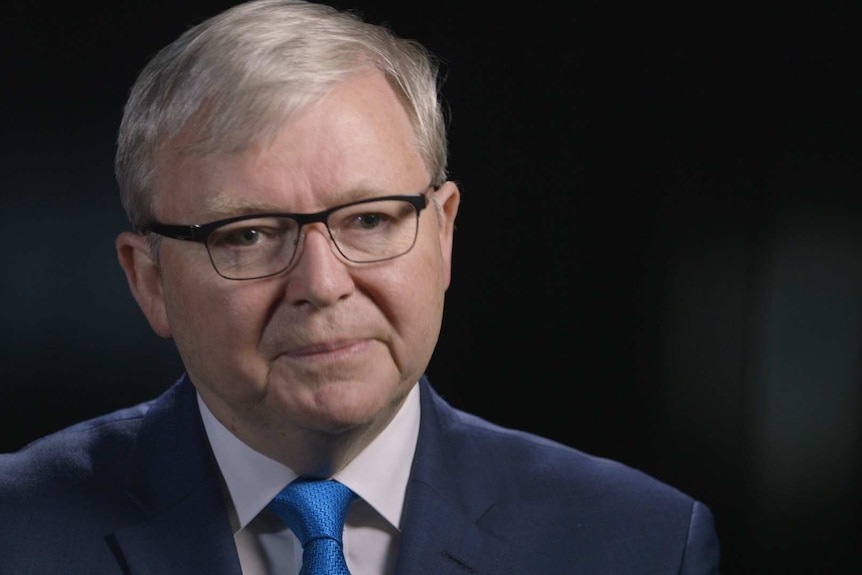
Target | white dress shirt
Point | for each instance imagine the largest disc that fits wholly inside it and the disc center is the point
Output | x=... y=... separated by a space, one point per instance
x=372 y=530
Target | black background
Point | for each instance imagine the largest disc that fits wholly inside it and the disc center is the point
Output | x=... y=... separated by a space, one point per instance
x=657 y=258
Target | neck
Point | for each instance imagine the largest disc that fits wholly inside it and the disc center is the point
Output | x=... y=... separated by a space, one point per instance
x=308 y=451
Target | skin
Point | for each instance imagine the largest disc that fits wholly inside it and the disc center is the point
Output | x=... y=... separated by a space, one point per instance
x=310 y=365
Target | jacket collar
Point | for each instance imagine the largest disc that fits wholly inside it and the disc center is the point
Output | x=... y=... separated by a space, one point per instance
x=175 y=481
x=440 y=534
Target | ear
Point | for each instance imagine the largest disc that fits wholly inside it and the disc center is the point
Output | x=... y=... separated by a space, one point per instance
x=448 y=198
x=145 y=280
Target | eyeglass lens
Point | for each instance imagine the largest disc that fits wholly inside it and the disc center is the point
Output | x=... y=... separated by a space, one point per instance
x=362 y=233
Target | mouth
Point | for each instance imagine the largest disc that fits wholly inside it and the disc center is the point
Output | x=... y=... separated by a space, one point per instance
x=328 y=351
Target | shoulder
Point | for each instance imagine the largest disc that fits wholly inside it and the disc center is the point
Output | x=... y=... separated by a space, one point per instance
x=530 y=474
x=542 y=464
x=96 y=450
x=590 y=510
x=63 y=494
x=532 y=460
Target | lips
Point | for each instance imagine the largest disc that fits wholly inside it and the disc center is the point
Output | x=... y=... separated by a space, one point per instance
x=329 y=349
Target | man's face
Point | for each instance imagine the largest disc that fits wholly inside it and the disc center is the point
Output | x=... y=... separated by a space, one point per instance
x=328 y=345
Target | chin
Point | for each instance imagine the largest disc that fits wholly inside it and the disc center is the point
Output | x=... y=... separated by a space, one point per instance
x=342 y=406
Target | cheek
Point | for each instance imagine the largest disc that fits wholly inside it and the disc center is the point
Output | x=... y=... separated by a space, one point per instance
x=213 y=318
x=414 y=297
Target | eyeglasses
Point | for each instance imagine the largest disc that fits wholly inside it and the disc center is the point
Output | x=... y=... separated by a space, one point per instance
x=262 y=245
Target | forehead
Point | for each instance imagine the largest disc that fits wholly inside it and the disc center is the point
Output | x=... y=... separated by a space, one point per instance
x=357 y=140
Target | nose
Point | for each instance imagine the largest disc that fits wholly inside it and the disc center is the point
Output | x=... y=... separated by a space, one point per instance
x=318 y=276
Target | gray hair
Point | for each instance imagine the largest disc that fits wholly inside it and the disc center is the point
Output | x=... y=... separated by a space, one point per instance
x=238 y=76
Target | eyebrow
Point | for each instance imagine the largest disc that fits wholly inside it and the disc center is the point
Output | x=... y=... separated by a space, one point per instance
x=229 y=206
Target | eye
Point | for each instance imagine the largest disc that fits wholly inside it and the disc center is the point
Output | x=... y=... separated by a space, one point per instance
x=253 y=233
x=242 y=237
x=369 y=221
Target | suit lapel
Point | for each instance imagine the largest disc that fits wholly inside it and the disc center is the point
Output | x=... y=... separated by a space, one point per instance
x=186 y=538
x=440 y=535
x=175 y=481
x=440 y=540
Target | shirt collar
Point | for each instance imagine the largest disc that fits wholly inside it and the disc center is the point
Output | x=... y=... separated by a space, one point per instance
x=378 y=474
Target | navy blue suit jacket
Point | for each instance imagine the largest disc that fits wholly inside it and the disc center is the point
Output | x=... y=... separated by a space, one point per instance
x=138 y=491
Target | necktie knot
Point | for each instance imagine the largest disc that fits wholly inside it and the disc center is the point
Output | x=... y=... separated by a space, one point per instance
x=315 y=511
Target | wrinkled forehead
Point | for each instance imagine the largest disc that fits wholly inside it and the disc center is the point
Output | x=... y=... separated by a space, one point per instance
x=237 y=120
x=253 y=120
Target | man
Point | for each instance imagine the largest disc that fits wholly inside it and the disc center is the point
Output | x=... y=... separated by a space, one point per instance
x=284 y=168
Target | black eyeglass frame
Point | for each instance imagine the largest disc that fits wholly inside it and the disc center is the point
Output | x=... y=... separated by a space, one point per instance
x=200 y=233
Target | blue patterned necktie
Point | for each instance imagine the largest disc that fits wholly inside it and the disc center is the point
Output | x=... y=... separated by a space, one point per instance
x=315 y=511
